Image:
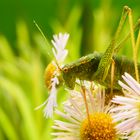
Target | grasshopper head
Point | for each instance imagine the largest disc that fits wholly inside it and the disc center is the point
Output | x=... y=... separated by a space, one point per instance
x=68 y=77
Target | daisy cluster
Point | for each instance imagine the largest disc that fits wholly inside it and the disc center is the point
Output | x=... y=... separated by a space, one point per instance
x=85 y=115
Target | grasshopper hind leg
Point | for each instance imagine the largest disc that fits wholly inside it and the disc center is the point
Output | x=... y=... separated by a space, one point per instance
x=134 y=44
x=101 y=74
x=105 y=62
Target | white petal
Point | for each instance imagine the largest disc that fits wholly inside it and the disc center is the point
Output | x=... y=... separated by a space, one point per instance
x=59 y=44
x=131 y=83
x=124 y=86
x=51 y=102
x=137 y=85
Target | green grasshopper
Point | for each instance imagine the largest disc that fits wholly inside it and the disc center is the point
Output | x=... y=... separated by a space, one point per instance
x=86 y=67
x=105 y=69
x=97 y=67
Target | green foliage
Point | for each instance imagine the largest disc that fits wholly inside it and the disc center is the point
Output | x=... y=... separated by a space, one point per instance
x=21 y=89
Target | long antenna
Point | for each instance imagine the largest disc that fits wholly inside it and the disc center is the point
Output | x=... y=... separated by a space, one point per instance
x=49 y=48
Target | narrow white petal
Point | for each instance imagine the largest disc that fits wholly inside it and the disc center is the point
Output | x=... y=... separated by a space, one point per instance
x=124 y=86
x=131 y=83
x=51 y=102
x=126 y=124
x=137 y=85
x=59 y=44
x=67 y=117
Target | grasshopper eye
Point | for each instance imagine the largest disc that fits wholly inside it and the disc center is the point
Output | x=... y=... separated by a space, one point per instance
x=65 y=70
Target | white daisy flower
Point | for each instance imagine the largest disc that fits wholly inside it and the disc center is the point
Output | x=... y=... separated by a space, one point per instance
x=59 y=43
x=93 y=122
x=52 y=72
x=51 y=101
x=128 y=111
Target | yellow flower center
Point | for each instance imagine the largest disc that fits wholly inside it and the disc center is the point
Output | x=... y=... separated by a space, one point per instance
x=49 y=74
x=99 y=126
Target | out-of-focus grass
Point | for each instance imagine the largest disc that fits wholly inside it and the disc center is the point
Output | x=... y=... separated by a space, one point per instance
x=21 y=89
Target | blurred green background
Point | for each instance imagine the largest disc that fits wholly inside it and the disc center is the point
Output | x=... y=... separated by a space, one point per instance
x=23 y=53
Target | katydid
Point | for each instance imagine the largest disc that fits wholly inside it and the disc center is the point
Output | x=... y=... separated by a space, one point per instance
x=97 y=67
x=86 y=67
x=105 y=69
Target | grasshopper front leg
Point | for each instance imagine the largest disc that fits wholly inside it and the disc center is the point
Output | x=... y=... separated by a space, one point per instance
x=105 y=62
